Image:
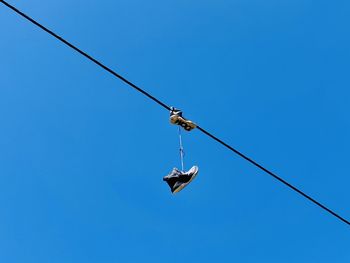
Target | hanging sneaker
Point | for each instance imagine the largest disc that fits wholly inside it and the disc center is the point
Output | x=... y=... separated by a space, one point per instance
x=176 y=118
x=178 y=180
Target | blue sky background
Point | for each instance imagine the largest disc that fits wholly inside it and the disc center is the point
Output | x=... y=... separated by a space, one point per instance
x=82 y=155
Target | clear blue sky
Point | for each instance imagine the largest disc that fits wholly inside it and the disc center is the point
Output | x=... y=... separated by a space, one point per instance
x=82 y=155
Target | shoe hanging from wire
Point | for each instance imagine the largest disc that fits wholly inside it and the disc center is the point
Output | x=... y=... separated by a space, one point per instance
x=179 y=179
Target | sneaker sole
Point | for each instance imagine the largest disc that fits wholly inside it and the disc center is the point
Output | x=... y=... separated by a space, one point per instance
x=186 y=124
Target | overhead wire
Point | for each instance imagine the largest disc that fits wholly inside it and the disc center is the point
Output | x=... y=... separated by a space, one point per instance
x=86 y=55
x=159 y=102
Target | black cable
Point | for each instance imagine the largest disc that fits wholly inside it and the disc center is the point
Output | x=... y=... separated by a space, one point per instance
x=274 y=175
x=168 y=108
x=86 y=55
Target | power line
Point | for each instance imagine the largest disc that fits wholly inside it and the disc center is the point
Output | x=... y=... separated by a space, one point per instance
x=86 y=55
x=168 y=108
x=274 y=176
